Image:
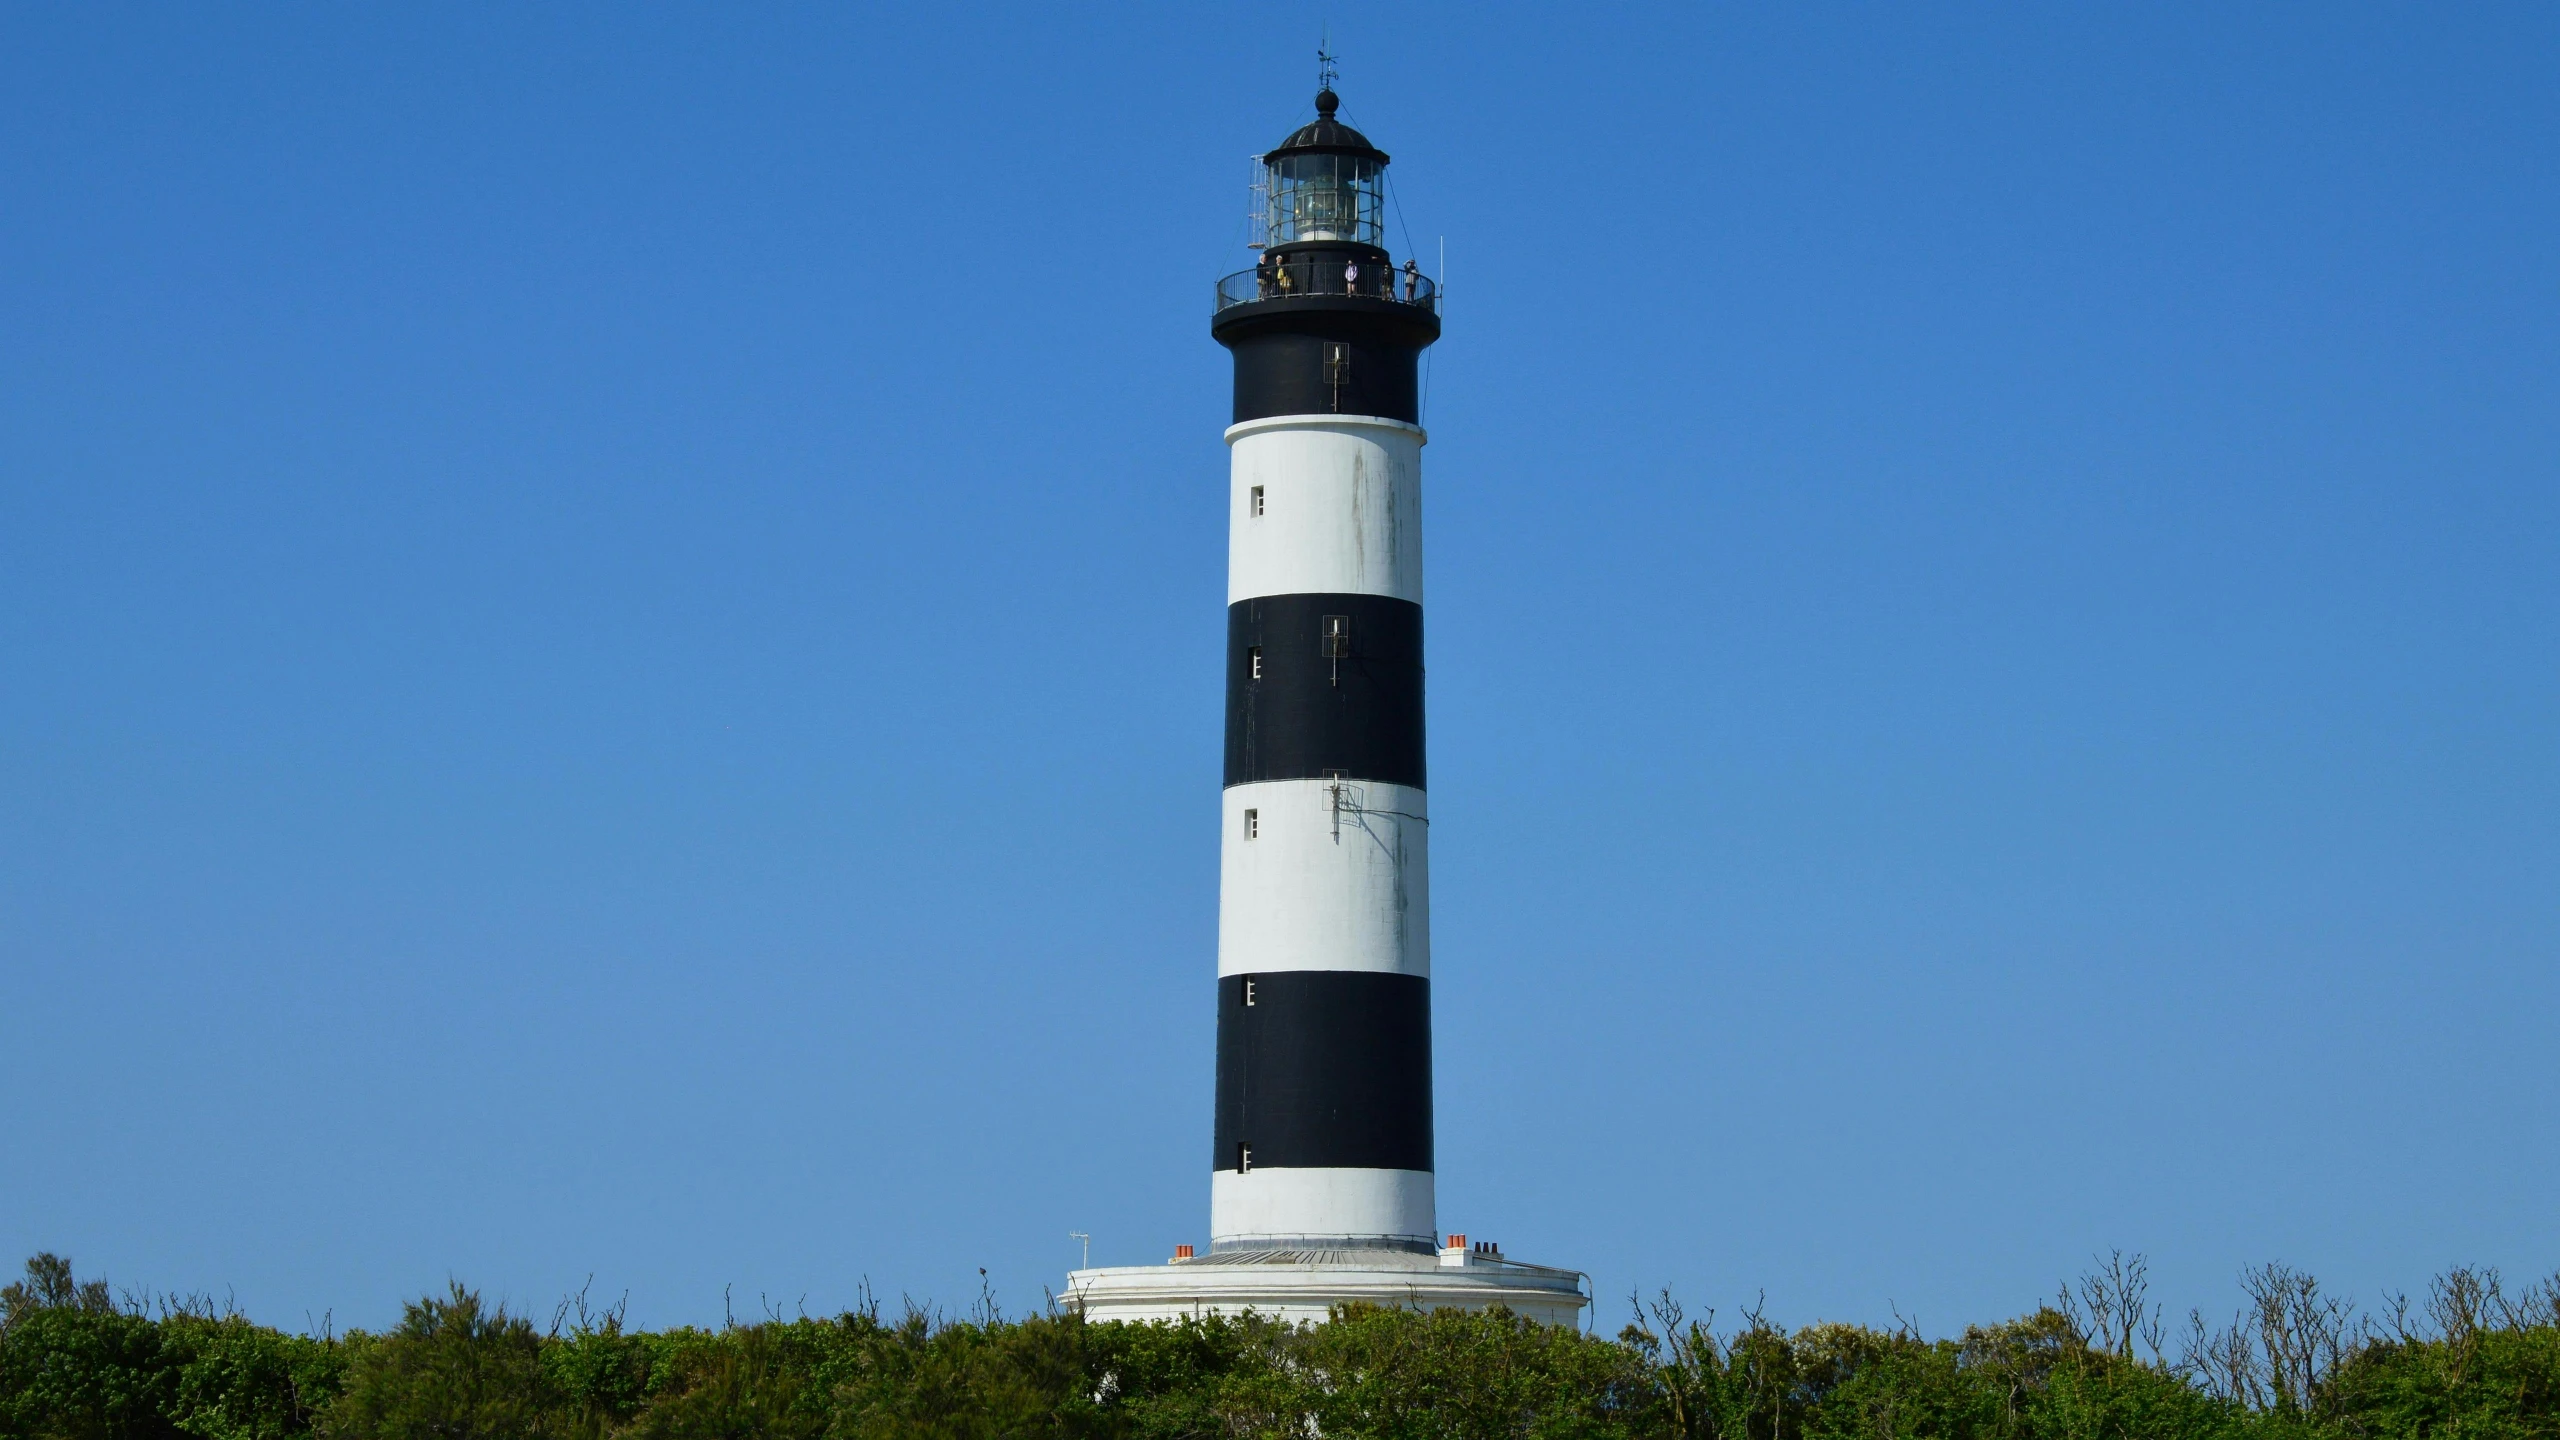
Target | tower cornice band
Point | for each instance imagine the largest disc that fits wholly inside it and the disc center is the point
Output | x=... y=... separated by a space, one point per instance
x=1243 y=428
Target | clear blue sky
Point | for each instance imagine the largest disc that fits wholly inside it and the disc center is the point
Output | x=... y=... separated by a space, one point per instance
x=611 y=624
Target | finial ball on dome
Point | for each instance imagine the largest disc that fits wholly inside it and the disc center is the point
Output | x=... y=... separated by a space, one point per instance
x=1327 y=102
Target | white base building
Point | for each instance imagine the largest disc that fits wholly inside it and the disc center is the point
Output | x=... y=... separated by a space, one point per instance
x=1298 y=1286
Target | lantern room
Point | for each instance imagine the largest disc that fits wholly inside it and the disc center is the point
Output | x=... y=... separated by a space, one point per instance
x=1325 y=182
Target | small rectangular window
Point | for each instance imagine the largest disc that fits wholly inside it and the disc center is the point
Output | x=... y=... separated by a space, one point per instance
x=1253 y=663
x=1257 y=500
x=1337 y=637
x=1252 y=831
x=1244 y=1158
x=1248 y=991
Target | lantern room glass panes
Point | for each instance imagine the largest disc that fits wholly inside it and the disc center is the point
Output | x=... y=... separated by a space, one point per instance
x=1327 y=197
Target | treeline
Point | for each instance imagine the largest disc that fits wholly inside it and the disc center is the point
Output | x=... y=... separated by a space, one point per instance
x=2468 y=1359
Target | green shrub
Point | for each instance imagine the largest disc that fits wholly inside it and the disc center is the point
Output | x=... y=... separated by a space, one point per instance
x=239 y=1381
x=454 y=1369
x=81 y=1374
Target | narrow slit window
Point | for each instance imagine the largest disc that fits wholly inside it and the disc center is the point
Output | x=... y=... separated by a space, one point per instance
x=1337 y=637
x=1248 y=992
x=1244 y=1158
x=1257 y=502
x=1252 y=831
x=1253 y=663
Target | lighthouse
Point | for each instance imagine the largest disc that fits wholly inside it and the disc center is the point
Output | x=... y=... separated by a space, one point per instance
x=1324 y=894
x=1322 y=1166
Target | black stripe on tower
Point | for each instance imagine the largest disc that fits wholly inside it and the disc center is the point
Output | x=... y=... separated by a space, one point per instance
x=1324 y=1068
x=1320 y=685
x=1299 y=374
x=1328 y=353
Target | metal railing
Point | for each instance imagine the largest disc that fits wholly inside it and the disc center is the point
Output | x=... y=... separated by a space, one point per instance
x=1327 y=275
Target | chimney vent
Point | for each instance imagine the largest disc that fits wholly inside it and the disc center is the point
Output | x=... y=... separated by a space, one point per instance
x=1181 y=1252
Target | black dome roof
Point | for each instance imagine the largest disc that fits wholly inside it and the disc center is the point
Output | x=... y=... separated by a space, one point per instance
x=1327 y=136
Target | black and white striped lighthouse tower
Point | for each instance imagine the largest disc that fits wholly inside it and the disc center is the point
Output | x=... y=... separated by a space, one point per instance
x=1324 y=903
x=1321 y=1181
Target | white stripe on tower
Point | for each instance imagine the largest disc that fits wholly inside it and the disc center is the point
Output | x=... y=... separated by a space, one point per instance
x=1316 y=876
x=1339 y=507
